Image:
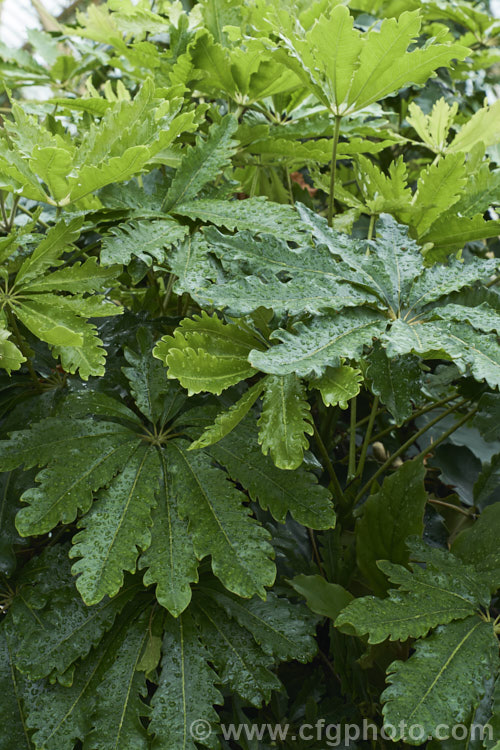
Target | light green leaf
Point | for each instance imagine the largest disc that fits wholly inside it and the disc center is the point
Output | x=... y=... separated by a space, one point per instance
x=438 y=188
x=285 y=421
x=10 y=356
x=57 y=241
x=53 y=165
x=338 y=385
x=482 y=127
x=359 y=68
x=77 y=278
x=205 y=354
x=433 y=128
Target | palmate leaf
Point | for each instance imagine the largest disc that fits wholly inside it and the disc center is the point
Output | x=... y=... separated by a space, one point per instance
x=44 y=641
x=446 y=590
x=433 y=128
x=322 y=342
x=220 y=523
x=128 y=136
x=389 y=517
x=222 y=639
x=60 y=715
x=360 y=68
x=442 y=680
x=206 y=354
x=115 y=458
x=154 y=396
x=61 y=320
x=242 y=664
x=102 y=696
x=280 y=491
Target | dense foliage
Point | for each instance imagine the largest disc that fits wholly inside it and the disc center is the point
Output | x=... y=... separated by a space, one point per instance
x=250 y=420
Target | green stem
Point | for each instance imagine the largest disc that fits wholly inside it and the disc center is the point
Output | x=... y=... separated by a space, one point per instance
x=289 y=183
x=366 y=441
x=414 y=415
x=447 y=434
x=351 y=471
x=4 y=213
x=21 y=344
x=403 y=448
x=29 y=213
x=329 y=466
x=333 y=170
x=371 y=228
x=452 y=507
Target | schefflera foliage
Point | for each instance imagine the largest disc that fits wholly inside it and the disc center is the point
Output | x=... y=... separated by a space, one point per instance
x=149 y=597
x=157 y=504
x=350 y=304
x=72 y=672
x=79 y=647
